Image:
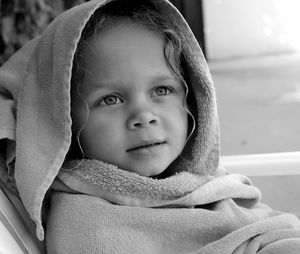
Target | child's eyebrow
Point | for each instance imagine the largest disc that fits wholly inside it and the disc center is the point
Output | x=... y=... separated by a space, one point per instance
x=162 y=78
x=120 y=84
x=152 y=80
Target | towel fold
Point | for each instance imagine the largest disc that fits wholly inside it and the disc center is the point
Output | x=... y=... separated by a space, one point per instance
x=218 y=216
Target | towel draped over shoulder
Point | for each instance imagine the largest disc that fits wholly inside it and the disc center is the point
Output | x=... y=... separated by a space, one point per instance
x=122 y=212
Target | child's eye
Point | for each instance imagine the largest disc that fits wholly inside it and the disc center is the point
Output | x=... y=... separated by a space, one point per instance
x=110 y=100
x=161 y=91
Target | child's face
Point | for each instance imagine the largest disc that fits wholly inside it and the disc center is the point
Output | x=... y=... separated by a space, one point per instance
x=136 y=117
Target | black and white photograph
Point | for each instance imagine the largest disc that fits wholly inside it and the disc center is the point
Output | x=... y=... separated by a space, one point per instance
x=149 y=127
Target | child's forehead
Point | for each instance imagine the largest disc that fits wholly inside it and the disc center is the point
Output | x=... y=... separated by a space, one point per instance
x=120 y=83
x=124 y=32
x=122 y=47
x=134 y=37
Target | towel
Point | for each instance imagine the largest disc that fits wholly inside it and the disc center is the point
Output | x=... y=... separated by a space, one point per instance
x=185 y=213
x=104 y=177
x=222 y=227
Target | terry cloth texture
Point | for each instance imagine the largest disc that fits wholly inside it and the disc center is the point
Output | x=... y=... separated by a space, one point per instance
x=106 y=177
x=35 y=126
x=185 y=213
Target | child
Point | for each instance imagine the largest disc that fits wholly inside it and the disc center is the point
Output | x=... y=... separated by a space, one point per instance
x=132 y=165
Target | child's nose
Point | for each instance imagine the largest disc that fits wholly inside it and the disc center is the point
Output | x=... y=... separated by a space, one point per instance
x=142 y=119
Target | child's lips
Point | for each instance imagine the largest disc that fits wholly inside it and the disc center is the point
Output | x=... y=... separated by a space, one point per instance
x=146 y=145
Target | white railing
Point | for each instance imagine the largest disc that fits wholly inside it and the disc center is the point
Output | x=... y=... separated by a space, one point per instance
x=263 y=164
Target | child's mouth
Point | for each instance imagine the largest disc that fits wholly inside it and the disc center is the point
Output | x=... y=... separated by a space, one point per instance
x=147 y=145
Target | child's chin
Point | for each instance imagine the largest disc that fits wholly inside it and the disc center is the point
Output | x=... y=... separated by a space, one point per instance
x=151 y=172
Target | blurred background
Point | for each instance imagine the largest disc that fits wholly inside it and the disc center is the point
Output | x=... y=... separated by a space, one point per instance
x=252 y=48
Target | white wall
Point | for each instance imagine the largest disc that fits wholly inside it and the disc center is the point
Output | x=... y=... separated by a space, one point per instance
x=235 y=28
